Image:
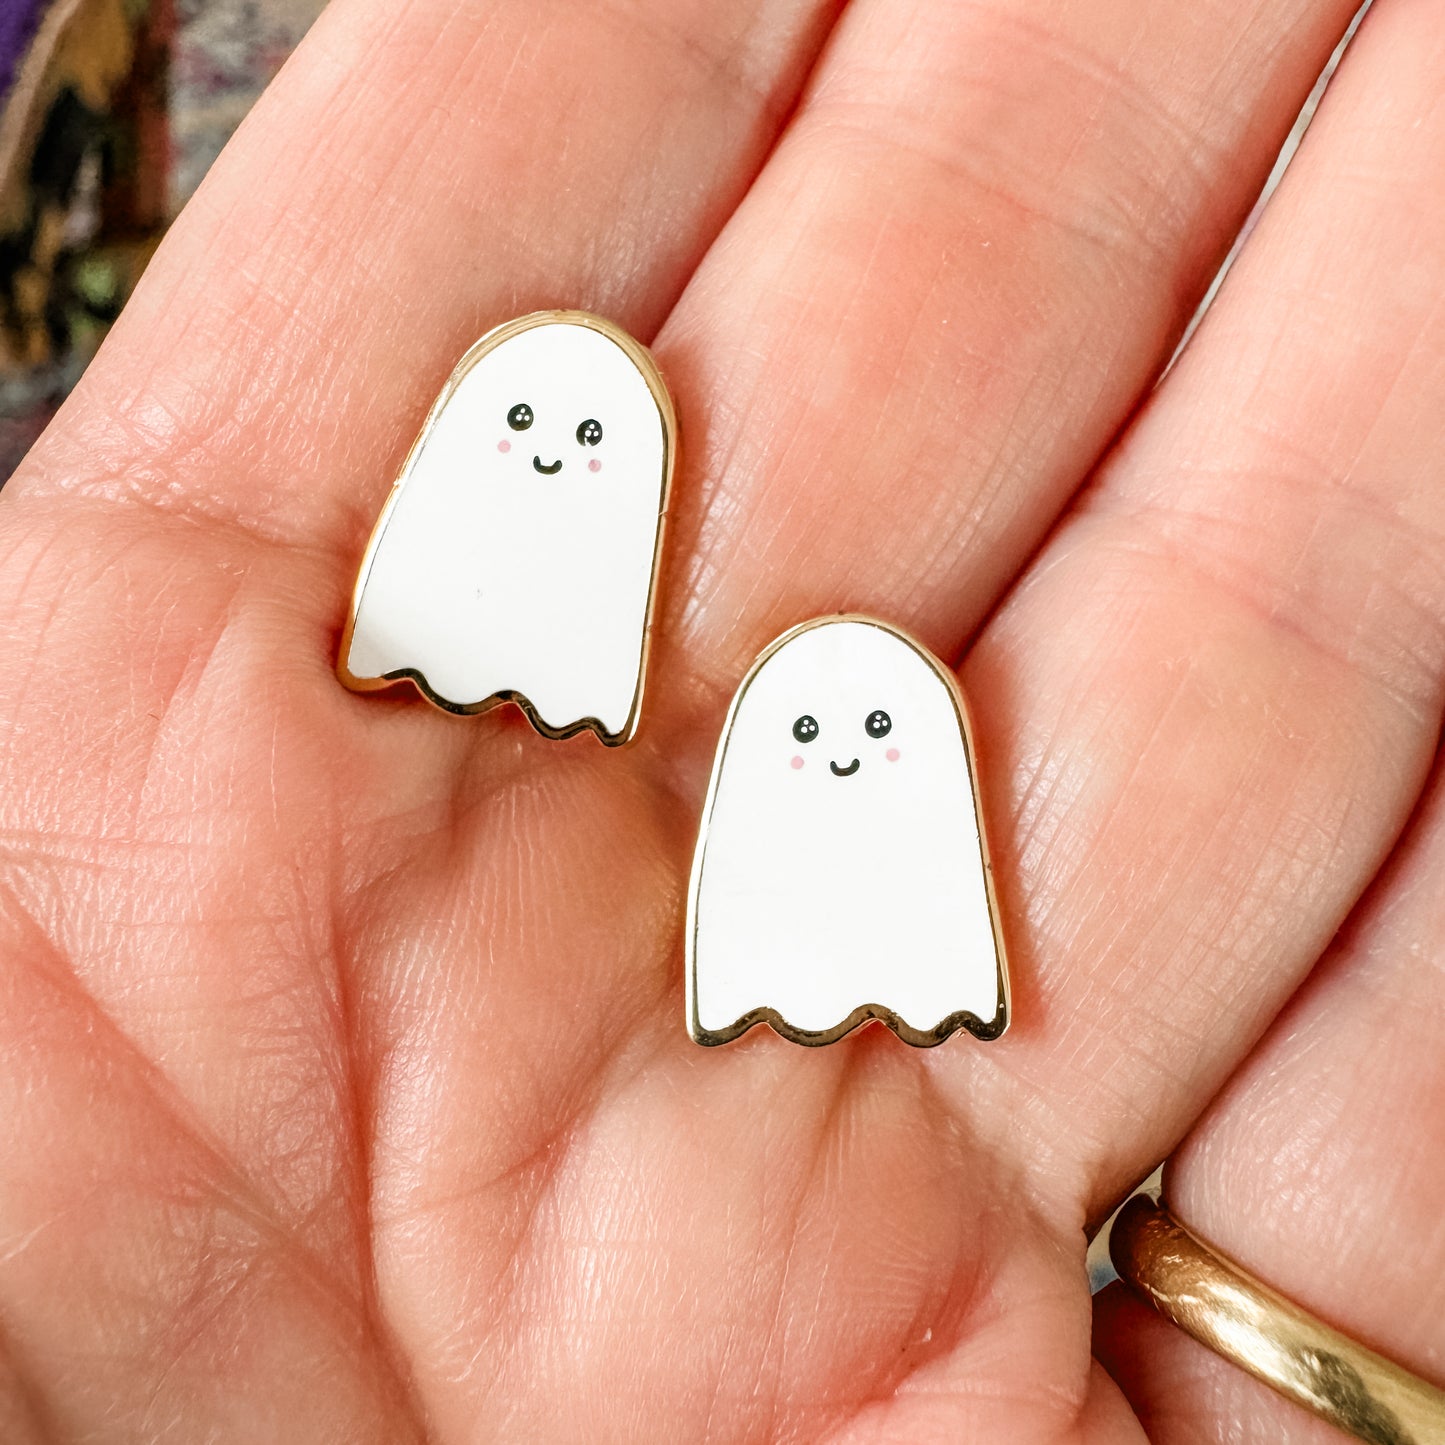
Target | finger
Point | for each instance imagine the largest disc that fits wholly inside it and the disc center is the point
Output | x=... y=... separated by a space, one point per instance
x=143 y=1286
x=416 y=174
x=1217 y=696
x=1320 y=1167
x=973 y=248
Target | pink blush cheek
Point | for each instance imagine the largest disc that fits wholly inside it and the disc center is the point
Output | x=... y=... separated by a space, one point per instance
x=594 y=465
x=796 y=764
x=892 y=755
x=504 y=445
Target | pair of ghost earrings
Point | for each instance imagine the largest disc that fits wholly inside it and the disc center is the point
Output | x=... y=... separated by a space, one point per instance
x=841 y=872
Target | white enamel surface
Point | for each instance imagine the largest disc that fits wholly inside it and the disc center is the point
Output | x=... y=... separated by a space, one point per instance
x=815 y=894
x=490 y=577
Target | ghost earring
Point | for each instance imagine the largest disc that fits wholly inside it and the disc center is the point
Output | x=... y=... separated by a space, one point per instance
x=841 y=871
x=516 y=557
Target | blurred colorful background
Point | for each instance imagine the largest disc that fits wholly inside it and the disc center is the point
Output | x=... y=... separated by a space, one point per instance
x=110 y=113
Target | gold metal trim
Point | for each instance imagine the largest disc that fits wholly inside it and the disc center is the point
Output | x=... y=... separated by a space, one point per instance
x=919 y=1038
x=1237 y=1316
x=642 y=359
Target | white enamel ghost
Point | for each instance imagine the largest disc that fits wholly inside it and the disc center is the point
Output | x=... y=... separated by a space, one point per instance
x=841 y=872
x=516 y=556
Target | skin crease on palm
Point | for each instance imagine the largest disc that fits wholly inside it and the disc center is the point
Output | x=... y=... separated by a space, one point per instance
x=345 y=1093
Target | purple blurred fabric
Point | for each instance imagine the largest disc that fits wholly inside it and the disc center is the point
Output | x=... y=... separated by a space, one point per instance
x=18 y=20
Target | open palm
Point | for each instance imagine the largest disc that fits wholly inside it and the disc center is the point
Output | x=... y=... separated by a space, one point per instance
x=345 y=1091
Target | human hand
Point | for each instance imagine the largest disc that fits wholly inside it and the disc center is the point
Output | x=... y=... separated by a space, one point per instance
x=345 y=1092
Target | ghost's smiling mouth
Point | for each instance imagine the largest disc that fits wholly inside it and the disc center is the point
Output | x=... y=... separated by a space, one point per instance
x=547 y=471
x=844 y=772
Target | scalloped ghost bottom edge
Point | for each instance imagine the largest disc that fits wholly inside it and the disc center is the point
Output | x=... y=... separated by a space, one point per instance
x=963 y=1019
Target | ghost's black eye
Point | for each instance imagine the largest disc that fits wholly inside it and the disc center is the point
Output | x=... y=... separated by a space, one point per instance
x=589 y=432
x=806 y=728
x=878 y=724
x=520 y=417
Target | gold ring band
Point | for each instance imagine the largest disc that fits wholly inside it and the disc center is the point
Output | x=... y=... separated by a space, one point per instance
x=1223 y=1307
